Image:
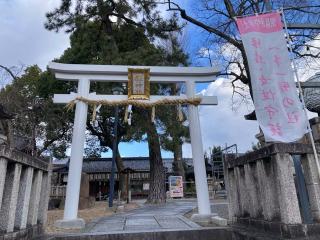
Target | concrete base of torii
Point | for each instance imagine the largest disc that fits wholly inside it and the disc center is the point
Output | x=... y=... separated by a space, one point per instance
x=203 y=218
x=70 y=224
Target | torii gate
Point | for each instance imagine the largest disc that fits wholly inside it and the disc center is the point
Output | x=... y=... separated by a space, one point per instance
x=84 y=73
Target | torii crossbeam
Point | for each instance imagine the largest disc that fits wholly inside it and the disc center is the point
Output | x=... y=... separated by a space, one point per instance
x=115 y=73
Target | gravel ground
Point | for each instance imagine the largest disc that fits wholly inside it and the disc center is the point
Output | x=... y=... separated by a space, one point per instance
x=99 y=210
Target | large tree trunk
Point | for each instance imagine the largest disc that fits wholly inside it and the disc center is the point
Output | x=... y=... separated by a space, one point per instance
x=157 y=191
x=178 y=166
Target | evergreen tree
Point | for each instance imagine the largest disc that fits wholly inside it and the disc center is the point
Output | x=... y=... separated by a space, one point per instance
x=96 y=39
x=42 y=125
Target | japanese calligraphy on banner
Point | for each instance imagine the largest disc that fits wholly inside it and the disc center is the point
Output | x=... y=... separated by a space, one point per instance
x=277 y=105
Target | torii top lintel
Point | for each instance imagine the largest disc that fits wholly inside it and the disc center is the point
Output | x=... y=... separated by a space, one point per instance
x=119 y=73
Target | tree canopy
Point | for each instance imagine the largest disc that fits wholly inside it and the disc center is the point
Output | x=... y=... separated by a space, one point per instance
x=40 y=123
x=126 y=33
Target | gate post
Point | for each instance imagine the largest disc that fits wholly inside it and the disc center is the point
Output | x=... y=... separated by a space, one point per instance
x=75 y=168
x=198 y=155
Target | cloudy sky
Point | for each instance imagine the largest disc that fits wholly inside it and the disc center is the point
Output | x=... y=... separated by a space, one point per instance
x=23 y=38
x=24 y=41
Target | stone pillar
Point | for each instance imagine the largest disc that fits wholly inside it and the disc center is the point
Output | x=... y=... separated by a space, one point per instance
x=315 y=126
x=268 y=190
x=35 y=198
x=232 y=194
x=244 y=199
x=237 y=194
x=255 y=208
x=24 y=198
x=287 y=194
x=84 y=198
x=3 y=171
x=10 y=197
x=44 y=197
x=313 y=184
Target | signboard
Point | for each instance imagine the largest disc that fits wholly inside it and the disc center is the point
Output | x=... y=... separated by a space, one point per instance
x=138 y=83
x=145 y=186
x=278 y=108
x=176 y=186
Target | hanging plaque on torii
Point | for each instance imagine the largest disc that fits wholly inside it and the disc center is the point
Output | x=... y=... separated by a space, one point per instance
x=138 y=83
x=138 y=78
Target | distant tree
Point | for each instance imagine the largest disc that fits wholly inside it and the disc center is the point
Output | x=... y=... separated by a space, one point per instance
x=35 y=118
x=213 y=154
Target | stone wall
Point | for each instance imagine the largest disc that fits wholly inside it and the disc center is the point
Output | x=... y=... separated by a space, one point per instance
x=262 y=191
x=24 y=193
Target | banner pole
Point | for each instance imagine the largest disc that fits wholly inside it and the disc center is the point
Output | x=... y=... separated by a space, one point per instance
x=300 y=91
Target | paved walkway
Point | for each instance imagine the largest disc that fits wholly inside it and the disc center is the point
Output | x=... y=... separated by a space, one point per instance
x=147 y=218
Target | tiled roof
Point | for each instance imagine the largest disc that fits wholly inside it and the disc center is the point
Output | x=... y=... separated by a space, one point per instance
x=95 y=165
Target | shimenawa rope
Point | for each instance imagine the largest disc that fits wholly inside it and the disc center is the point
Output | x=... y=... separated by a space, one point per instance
x=143 y=104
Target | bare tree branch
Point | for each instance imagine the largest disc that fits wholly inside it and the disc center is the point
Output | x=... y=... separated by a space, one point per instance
x=8 y=71
x=184 y=15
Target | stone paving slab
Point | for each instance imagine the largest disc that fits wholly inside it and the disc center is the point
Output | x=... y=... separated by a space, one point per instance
x=191 y=224
x=110 y=227
x=171 y=222
x=142 y=227
x=112 y=220
x=142 y=221
x=147 y=218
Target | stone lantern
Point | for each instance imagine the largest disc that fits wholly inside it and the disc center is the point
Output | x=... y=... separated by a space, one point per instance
x=312 y=101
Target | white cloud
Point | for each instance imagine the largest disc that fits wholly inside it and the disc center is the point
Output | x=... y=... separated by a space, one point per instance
x=220 y=125
x=308 y=67
x=205 y=52
x=23 y=38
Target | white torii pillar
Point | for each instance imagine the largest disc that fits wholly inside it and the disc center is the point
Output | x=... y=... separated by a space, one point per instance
x=116 y=73
x=76 y=157
x=200 y=173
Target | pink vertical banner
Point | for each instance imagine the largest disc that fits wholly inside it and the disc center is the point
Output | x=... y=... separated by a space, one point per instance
x=278 y=108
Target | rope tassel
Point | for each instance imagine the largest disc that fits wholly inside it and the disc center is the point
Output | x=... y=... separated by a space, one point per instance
x=126 y=113
x=94 y=113
x=180 y=113
x=153 y=114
